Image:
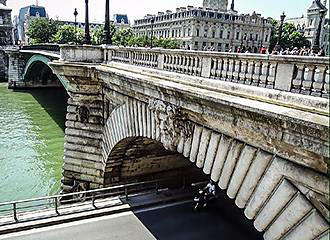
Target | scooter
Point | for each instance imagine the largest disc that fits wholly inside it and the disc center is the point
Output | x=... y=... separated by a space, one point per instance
x=202 y=199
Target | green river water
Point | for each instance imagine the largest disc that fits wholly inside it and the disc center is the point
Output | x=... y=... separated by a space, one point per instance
x=31 y=142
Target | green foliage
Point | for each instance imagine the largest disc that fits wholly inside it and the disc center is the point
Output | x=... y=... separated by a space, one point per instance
x=46 y=31
x=67 y=34
x=42 y=30
x=97 y=36
x=290 y=36
x=123 y=37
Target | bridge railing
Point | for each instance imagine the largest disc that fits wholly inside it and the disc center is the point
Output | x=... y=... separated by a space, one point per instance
x=296 y=74
x=43 y=47
x=12 y=211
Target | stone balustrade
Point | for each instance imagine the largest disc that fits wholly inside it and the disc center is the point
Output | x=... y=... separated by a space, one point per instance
x=296 y=74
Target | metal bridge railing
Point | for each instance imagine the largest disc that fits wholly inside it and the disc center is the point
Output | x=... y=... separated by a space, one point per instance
x=56 y=203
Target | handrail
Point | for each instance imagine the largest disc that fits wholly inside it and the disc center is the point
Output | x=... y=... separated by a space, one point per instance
x=55 y=200
x=79 y=193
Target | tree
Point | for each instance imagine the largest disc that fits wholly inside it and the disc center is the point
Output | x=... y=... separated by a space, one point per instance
x=290 y=36
x=67 y=34
x=123 y=37
x=42 y=30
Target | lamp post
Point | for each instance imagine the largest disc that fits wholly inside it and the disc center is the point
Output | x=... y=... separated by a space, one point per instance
x=152 y=21
x=316 y=43
x=107 y=37
x=75 y=13
x=278 y=45
x=87 y=34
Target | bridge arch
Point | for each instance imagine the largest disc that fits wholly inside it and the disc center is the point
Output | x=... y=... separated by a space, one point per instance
x=39 y=64
x=272 y=191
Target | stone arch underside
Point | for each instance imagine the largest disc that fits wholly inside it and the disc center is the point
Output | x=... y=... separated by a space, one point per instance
x=138 y=159
x=38 y=73
x=285 y=200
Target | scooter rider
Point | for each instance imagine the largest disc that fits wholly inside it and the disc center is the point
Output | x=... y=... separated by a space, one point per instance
x=210 y=187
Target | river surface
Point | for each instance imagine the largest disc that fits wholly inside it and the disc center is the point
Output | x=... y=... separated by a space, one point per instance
x=31 y=142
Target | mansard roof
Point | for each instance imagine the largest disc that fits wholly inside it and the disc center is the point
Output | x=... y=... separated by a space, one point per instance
x=316 y=4
x=119 y=18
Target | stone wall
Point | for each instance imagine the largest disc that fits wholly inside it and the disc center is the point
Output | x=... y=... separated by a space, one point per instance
x=3 y=67
x=267 y=149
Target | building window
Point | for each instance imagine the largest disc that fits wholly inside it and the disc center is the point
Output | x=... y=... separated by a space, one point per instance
x=228 y=35
x=251 y=36
x=204 y=44
x=197 y=32
x=237 y=36
x=213 y=34
x=266 y=38
x=257 y=36
x=221 y=34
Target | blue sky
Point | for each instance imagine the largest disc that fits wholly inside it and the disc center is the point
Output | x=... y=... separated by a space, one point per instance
x=138 y=8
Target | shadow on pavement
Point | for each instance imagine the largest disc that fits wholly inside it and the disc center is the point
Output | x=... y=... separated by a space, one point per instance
x=222 y=220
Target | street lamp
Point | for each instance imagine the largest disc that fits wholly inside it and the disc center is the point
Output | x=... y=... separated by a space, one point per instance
x=278 y=45
x=87 y=34
x=75 y=13
x=316 y=43
x=152 y=21
x=107 y=37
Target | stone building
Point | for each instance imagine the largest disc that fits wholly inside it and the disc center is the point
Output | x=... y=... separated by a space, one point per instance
x=92 y=26
x=212 y=27
x=24 y=19
x=121 y=21
x=308 y=24
x=5 y=24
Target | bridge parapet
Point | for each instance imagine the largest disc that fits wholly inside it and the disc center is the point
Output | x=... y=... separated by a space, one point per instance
x=43 y=47
x=296 y=74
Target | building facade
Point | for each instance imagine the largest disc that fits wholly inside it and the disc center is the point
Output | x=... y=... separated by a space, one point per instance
x=211 y=27
x=309 y=24
x=23 y=21
x=5 y=24
x=121 y=21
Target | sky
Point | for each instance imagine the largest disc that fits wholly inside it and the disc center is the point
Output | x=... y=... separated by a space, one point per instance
x=63 y=9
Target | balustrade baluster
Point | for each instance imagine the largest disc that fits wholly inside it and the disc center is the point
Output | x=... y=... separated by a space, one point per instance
x=219 y=68
x=318 y=83
x=325 y=91
x=231 y=67
x=249 y=74
x=224 y=69
x=214 y=64
x=308 y=80
x=242 y=72
x=256 y=74
x=198 y=67
x=236 y=70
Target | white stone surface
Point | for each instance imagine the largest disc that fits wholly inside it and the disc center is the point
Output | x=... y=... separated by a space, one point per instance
x=220 y=158
x=203 y=147
x=252 y=178
x=263 y=190
x=195 y=143
x=211 y=152
x=243 y=164
x=294 y=212
x=230 y=163
x=275 y=205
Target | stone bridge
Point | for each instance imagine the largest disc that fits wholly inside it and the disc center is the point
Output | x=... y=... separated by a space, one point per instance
x=257 y=125
x=28 y=66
